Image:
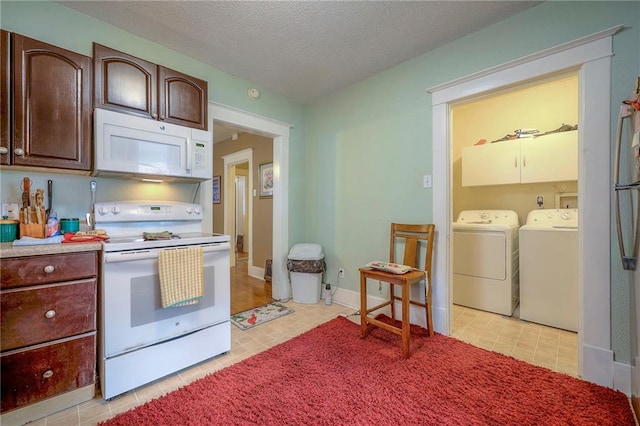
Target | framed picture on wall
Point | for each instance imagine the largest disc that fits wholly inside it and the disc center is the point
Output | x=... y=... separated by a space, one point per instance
x=217 y=191
x=265 y=172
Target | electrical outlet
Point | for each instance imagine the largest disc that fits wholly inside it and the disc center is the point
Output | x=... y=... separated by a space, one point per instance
x=341 y=273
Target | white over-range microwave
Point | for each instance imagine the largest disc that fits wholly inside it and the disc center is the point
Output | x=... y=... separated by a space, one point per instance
x=127 y=146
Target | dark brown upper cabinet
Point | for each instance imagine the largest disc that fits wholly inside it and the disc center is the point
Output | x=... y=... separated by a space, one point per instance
x=52 y=106
x=5 y=97
x=134 y=86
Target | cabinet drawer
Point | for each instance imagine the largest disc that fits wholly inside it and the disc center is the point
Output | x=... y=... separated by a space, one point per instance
x=24 y=271
x=44 y=313
x=46 y=370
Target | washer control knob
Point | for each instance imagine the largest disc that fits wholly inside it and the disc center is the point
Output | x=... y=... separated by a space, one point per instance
x=197 y=210
x=115 y=210
x=566 y=216
x=189 y=210
x=103 y=210
x=484 y=215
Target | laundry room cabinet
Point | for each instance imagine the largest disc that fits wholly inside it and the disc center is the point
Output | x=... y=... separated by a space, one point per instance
x=134 y=86
x=549 y=158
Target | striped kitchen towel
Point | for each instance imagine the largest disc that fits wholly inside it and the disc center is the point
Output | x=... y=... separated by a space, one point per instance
x=181 y=276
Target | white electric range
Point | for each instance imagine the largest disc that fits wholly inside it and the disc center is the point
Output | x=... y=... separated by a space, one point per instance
x=140 y=341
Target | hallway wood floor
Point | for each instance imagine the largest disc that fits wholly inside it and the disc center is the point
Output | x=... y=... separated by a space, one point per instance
x=247 y=292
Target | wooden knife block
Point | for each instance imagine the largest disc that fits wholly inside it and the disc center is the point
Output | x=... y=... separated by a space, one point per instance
x=33 y=229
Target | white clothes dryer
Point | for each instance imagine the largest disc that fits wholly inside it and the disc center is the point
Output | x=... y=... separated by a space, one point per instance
x=485 y=260
x=549 y=268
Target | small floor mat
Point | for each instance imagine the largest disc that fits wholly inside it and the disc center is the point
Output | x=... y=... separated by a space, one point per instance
x=256 y=316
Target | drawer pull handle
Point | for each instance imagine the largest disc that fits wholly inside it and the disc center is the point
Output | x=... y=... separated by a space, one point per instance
x=47 y=374
x=49 y=269
x=50 y=314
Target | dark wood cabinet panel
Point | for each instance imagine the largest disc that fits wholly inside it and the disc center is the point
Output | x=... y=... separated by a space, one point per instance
x=48 y=316
x=183 y=99
x=132 y=85
x=52 y=106
x=38 y=314
x=125 y=83
x=5 y=97
x=27 y=271
x=47 y=370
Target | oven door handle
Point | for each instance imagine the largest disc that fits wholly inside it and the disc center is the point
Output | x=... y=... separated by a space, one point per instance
x=131 y=255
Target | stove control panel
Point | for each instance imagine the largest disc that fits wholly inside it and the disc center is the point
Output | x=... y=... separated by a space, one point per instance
x=135 y=211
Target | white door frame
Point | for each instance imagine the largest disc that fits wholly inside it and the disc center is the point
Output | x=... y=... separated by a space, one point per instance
x=591 y=56
x=279 y=132
x=229 y=196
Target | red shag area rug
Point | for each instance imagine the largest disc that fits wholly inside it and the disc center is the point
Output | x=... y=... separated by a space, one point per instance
x=330 y=376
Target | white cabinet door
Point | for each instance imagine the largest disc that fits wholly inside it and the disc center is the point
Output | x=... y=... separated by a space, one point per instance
x=550 y=158
x=491 y=164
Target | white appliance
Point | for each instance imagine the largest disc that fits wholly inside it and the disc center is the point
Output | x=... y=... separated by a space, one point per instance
x=549 y=268
x=626 y=180
x=139 y=340
x=130 y=146
x=485 y=260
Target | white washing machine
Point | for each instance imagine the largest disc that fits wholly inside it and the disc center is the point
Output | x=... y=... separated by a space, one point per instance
x=485 y=260
x=549 y=268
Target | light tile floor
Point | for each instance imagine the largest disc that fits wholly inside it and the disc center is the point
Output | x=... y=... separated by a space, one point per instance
x=545 y=346
x=537 y=344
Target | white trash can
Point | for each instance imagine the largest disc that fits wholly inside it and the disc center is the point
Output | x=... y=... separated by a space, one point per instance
x=306 y=265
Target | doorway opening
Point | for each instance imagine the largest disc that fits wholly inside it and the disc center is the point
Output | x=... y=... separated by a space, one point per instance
x=515 y=161
x=279 y=133
x=591 y=57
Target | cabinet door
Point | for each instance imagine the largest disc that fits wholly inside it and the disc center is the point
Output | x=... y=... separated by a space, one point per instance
x=33 y=374
x=183 y=99
x=550 y=158
x=52 y=106
x=39 y=314
x=125 y=83
x=5 y=98
x=492 y=164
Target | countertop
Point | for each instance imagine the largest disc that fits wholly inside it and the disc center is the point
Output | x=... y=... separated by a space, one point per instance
x=8 y=250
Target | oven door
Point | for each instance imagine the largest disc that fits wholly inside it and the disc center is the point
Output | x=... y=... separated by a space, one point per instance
x=132 y=313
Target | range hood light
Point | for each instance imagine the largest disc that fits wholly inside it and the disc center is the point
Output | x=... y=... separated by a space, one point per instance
x=152 y=180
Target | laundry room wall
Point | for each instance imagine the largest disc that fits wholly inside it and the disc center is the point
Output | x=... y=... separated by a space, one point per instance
x=543 y=105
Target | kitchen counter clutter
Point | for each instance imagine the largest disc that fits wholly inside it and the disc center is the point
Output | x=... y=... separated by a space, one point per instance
x=48 y=318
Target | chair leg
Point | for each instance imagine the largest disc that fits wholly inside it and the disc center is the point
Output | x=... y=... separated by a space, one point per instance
x=427 y=300
x=392 y=297
x=430 y=320
x=363 y=306
x=405 y=320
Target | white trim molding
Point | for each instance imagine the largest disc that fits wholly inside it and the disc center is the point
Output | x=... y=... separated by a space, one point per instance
x=280 y=133
x=591 y=57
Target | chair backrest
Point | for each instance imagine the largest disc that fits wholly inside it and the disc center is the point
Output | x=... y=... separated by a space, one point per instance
x=413 y=235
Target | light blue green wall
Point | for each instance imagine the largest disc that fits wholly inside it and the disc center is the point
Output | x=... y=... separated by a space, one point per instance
x=64 y=27
x=369 y=145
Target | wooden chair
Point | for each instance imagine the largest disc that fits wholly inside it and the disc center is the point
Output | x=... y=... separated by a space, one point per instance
x=413 y=236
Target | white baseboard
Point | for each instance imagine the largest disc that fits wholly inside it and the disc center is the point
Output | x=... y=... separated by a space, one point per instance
x=599 y=363
x=256 y=272
x=622 y=377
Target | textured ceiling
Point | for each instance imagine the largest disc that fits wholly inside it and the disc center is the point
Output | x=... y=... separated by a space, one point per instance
x=306 y=49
